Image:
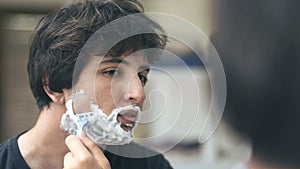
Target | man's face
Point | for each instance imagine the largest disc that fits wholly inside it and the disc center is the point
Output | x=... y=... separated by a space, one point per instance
x=120 y=82
x=114 y=82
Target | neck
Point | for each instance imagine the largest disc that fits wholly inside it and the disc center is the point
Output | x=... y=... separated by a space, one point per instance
x=43 y=146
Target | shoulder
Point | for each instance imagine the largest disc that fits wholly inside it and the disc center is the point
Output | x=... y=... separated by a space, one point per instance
x=10 y=156
x=6 y=148
x=136 y=156
x=6 y=153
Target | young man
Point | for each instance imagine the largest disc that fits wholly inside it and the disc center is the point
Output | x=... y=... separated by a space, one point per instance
x=115 y=79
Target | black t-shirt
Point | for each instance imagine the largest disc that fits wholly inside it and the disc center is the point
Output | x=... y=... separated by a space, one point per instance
x=10 y=155
x=131 y=156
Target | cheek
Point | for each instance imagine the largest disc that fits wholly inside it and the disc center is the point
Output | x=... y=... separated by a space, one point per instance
x=120 y=88
x=108 y=95
x=104 y=99
x=102 y=93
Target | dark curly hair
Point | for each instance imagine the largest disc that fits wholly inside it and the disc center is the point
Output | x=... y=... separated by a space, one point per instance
x=60 y=35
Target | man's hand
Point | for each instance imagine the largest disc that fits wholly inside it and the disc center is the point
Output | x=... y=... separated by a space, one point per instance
x=84 y=154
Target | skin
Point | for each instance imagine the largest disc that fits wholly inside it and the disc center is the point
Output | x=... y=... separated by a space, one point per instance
x=255 y=163
x=118 y=82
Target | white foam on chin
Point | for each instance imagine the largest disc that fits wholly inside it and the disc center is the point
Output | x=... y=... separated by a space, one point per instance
x=102 y=129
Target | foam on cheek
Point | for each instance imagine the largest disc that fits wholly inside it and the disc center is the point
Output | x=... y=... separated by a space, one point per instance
x=103 y=129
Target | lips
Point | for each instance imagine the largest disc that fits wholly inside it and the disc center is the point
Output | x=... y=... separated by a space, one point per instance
x=127 y=118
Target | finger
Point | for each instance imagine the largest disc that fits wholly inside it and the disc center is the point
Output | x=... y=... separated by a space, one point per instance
x=94 y=150
x=77 y=148
x=68 y=159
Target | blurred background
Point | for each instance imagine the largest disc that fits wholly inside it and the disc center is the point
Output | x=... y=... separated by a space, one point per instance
x=18 y=111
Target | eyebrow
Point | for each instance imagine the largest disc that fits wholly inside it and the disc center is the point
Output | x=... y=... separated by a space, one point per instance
x=122 y=61
x=145 y=68
x=115 y=60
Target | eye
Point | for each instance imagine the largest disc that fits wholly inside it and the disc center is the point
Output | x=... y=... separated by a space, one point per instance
x=112 y=72
x=143 y=78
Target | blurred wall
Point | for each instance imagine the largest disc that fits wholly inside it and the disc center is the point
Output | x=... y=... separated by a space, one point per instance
x=195 y=11
x=18 y=111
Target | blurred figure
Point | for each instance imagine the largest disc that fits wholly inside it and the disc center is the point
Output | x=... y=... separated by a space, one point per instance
x=259 y=45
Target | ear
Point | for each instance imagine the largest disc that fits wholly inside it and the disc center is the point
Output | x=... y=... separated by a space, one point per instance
x=56 y=97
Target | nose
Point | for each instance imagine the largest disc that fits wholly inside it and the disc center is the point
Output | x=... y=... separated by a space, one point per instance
x=135 y=91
